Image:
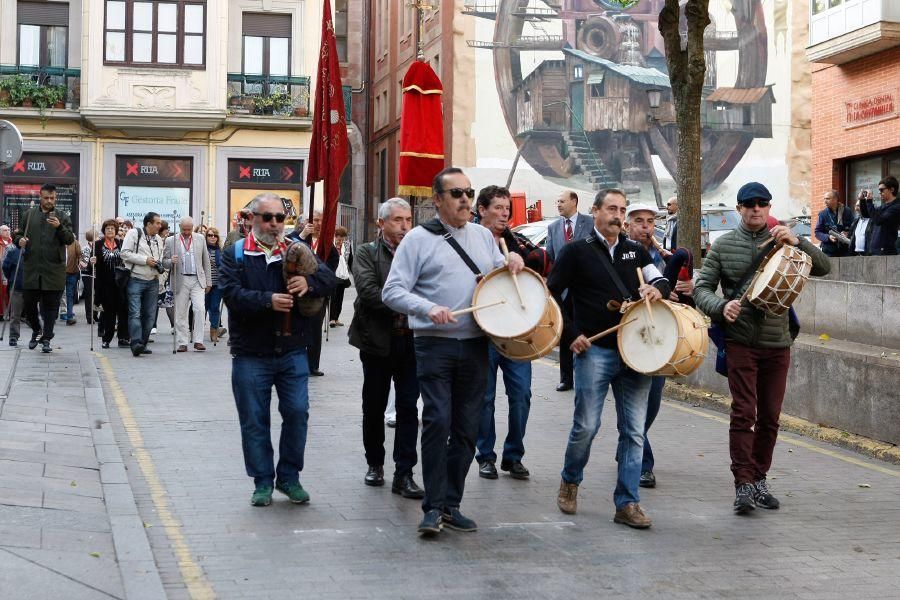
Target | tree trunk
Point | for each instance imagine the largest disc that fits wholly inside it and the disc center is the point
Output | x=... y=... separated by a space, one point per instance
x=687 y=69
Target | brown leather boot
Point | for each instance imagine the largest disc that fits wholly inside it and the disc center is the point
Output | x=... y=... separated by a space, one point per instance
x=567 y=501
x=214 y=334
x=632 y=515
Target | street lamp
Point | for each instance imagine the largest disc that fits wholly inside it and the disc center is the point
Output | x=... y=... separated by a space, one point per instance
x=654 y=96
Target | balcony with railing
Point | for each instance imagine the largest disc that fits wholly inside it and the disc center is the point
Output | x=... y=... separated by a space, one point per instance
x=268 y=100
x=44 y=92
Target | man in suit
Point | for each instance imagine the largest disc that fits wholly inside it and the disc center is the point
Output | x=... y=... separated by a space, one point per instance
x=571 y=226
x=192 y=282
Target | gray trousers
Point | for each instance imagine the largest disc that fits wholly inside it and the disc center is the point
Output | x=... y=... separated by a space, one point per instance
x=16 y=303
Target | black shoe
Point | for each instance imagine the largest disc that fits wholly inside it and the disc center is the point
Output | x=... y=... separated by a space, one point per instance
x=431 y=523
x=744 y=498
x=406 y=487
x=71 y=321
x=374 y=476
x=13 y=342
x=124 y=343
x=46 y=348
x=456 y=520
x=764 y=497
x=515 y=469
x=33 y=343
x=564 y=386
x=137 y=350
x=105 y=345
x=487 y=470
x=648 y=479
x=316 y=373
x=146 y=351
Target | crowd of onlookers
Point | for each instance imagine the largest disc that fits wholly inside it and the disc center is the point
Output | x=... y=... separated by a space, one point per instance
x=866 y=228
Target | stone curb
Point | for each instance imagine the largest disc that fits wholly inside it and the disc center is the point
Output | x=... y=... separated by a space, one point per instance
x=140 y=576
x=857 y=443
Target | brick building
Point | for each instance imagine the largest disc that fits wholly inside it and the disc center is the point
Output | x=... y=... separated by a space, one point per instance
x=855 y=48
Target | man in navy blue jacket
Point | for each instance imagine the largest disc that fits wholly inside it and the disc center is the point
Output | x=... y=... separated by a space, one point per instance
x=258 y=298
x=834 y=217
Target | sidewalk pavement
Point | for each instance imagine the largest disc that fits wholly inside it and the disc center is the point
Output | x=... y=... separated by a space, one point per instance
x=69 y=527
x=835 y=536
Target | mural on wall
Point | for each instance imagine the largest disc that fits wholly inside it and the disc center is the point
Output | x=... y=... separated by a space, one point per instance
x=588 y=114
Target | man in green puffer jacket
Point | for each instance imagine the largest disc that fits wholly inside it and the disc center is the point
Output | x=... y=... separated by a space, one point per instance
x=49 y=232
x=758 y=345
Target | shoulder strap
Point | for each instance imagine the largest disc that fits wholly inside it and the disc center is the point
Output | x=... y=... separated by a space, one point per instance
x=435 y=226
x=607 y=264
x=748 y=274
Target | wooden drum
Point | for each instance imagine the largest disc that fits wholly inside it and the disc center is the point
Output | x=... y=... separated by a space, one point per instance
x=518 y=333
x=779 y=280
x=674 y=344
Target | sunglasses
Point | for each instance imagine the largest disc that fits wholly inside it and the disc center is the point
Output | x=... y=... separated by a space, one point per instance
x=267 y=217
x=882 y=190
x=211 y=235
x=458 y=192
x=755 y=203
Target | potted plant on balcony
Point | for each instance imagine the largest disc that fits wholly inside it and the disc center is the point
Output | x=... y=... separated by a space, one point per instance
x=263 y=105
x=282 y=103
x=20 y=90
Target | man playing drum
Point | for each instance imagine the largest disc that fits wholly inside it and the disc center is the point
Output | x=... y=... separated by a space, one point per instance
x=601 y=272
x=758 y=345
x=641 y=224
x=493 y=207
x=432 y=275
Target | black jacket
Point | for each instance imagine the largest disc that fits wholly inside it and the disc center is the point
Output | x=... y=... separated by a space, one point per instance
x=254 y=328
x=828 y=221
x=578 y=269
x=884 y=225
x=868 y=236
x=370 y=330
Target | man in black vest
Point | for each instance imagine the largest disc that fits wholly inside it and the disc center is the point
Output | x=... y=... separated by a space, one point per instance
x=600 y=273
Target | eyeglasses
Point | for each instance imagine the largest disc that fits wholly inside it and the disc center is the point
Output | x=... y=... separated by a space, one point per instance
x=755 y=203
x=267 y=217
x=882 y=190
x=458 y=192
x=211 y=235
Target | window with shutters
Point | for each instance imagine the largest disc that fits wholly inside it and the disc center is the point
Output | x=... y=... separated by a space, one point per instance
x=266 y=53
x=340 y=29
x=43 y=34
x=155 y=33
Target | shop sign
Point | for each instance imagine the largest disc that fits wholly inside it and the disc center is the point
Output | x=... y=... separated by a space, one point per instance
x=43 y=168
x=171 y=203
x=153 y=170
x=277 y=172
x=871 y=109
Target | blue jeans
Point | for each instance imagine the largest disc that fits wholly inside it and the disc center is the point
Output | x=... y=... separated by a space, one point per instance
x=71 y=288
x=213 y=302
x=517 y=381
x=653 y=403
x=452 y=375
x=252 y=378
x=595 y=371
x=142 y=296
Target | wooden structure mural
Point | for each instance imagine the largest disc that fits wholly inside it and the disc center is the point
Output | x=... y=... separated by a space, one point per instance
x=589 y=113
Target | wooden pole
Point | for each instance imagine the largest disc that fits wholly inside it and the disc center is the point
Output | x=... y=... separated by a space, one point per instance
x=471 y=309
x=610 y=330
x=646 y=298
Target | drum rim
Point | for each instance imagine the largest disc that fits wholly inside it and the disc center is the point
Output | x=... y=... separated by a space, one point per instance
x=496 y=273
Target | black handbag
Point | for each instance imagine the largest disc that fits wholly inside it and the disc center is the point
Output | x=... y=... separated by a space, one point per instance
x=123 y=273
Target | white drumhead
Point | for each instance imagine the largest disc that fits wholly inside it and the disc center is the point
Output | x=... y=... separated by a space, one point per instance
x=510 y=319
x=762 y=279
x=645 y=347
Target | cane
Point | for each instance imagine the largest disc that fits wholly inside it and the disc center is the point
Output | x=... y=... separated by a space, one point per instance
x=15 y=278
x=90 y=309
x=173 y=278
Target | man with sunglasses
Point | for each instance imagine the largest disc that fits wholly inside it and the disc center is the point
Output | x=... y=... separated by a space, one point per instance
x=758 y=345
x=258 y=298
x=432 y=275
x=885 y=219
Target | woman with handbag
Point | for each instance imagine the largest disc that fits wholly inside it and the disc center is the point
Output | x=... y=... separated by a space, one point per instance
x=111 y=297
x=345 y=263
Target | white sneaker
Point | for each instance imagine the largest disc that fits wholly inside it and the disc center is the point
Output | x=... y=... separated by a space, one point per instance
x=153 y=331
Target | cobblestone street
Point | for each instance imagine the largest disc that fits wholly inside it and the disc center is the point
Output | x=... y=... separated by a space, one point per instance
x=176 y=426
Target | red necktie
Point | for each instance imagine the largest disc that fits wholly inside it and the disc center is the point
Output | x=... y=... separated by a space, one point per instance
x=568 y=230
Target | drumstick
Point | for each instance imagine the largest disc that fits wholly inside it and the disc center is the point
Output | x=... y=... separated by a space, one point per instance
x=514 y=276
x=464 y=311
x=646 y=298
x=610 y=330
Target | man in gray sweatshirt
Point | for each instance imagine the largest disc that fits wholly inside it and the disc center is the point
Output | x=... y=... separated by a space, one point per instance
x=429 y=279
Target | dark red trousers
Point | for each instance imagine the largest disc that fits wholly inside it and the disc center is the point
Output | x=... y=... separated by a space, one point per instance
x=757 y=378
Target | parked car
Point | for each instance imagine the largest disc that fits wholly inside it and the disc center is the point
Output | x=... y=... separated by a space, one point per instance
x=536 y=232
x=801 y=225
x=714 y=223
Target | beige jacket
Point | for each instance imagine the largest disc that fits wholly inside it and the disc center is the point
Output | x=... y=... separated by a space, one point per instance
x=197 y=248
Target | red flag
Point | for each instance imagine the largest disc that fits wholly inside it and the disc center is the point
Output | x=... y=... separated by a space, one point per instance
x=329 y=153
x=421 y=130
